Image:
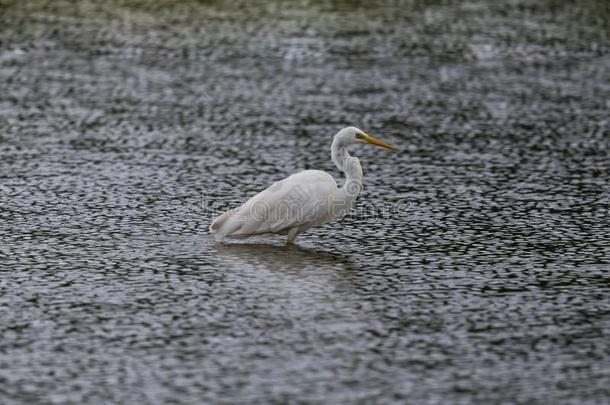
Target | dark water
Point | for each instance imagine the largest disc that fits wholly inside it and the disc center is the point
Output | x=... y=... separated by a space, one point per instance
x=476 y=268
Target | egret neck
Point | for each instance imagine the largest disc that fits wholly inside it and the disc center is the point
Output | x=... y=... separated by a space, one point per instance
x=346 y=195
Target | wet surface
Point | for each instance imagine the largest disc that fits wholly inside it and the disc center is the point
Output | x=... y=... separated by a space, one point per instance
x=476 y=267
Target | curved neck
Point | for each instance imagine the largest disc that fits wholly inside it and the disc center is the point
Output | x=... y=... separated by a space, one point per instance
x=353 y=176
x=347 y=164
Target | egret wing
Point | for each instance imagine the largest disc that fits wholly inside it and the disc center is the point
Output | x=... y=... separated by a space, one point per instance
x=296 y=200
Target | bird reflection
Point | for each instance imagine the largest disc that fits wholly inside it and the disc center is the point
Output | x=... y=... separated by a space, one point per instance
x=281 y=258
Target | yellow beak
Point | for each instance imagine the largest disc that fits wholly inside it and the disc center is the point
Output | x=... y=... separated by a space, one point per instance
x=377 y=142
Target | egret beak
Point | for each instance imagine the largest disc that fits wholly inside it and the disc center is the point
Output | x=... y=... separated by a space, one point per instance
x=377 y=142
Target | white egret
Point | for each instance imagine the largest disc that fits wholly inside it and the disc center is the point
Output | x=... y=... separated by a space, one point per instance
x=303 y=200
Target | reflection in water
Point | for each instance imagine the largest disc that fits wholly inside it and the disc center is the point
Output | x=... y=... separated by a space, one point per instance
x=301 y=275
x=291 y=259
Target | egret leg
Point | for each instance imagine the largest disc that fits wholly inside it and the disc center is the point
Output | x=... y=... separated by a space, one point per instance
x=292 y=235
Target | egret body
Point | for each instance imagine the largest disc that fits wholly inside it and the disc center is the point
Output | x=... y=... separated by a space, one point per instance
x=303 y=200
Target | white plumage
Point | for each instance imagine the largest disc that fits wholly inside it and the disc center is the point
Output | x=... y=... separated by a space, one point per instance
x=301 y=201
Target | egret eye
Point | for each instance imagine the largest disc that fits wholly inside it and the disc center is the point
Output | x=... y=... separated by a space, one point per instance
x=359 y=136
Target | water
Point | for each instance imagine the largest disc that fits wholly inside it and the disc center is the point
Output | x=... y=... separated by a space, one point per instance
x=475 y=268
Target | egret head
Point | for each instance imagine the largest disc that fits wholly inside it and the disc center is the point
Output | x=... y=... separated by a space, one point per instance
x=351 y=136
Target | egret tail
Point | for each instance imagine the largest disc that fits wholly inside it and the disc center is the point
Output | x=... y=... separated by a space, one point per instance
x=223 y=225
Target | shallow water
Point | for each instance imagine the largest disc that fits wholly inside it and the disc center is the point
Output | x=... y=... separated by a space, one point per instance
x=475 y=268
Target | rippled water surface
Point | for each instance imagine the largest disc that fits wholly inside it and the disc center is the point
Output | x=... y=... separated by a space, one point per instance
x=474 y=269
